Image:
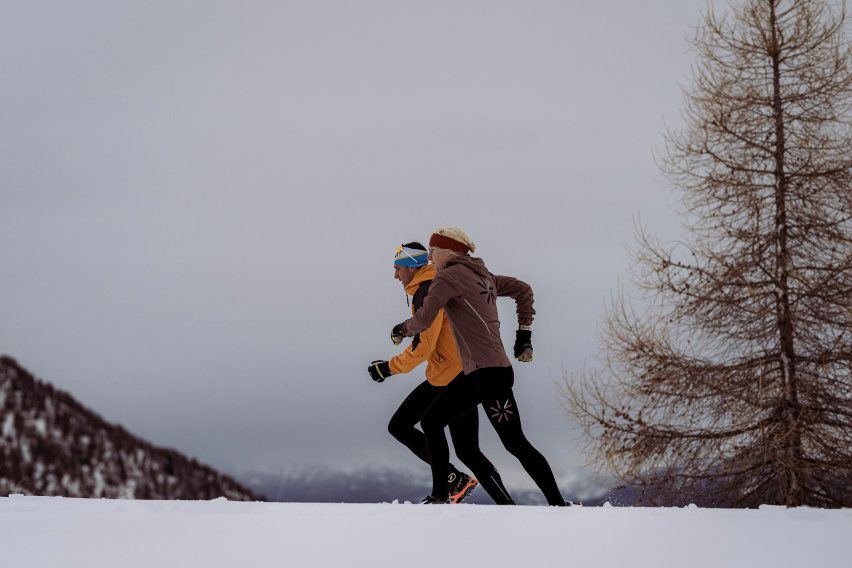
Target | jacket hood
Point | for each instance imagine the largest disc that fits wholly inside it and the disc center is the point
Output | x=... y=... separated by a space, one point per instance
x=422 y=274
x=473 y=263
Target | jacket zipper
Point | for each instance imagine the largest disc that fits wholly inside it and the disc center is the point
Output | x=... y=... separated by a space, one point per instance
x=477 y=315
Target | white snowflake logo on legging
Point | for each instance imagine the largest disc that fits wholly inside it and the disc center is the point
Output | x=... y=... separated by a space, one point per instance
x=501 y=411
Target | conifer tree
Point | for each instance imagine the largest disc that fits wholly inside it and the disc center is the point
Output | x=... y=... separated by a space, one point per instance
x=730 y=372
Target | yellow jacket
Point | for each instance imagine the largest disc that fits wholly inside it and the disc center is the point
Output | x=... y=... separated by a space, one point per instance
x=437 y=345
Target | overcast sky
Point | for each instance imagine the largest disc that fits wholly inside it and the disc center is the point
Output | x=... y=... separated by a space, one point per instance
x=200 y=201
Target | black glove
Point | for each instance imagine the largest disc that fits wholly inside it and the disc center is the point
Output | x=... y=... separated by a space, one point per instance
x=396 y=334
x=379 y=370
x=523 y=345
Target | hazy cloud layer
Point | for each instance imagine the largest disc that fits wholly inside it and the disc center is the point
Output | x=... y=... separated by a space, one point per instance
x=199 y=201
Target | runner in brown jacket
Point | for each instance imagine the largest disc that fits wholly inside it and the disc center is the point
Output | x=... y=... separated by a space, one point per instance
x=467 y=293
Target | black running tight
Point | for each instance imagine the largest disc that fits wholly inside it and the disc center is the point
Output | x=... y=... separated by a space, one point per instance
x=491 y=387
x=464 y=431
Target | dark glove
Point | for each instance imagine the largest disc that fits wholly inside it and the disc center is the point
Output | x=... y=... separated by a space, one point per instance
x=523 y=345
x=379 y=370
x=415 y=342
x=396 y=334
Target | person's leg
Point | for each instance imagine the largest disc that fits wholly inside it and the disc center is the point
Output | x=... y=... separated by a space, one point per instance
x=455 y=399
x=402 y=423
x=495 y=389
x=464 y=432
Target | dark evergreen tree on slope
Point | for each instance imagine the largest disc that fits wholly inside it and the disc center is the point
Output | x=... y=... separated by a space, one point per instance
x=50 y=444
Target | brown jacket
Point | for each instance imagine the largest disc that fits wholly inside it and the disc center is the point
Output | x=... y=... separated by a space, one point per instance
x=436 y=343
x=468 y=292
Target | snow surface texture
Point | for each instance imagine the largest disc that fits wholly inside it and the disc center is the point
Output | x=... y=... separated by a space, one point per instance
x=55 y=531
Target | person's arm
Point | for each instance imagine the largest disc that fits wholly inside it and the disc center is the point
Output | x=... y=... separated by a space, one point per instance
x=440 y=292
x=522 y=294
x=424 y=342
x=416 y=354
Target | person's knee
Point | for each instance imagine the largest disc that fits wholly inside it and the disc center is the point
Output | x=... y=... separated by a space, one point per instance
x=514 y=442
x=397 y=428
x=431 y=424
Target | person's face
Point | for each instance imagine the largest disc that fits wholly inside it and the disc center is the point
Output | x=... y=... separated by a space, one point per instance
x=404 y=274
x=439 y=257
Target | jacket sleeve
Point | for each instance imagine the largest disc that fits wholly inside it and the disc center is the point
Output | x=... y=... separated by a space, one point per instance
x=440 y=292
x=411 y=357
x=520 y=292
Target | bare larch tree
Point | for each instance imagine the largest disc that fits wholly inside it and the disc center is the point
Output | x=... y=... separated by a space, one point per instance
x=729 y=372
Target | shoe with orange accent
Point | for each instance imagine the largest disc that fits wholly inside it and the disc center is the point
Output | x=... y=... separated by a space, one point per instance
x=461 y=485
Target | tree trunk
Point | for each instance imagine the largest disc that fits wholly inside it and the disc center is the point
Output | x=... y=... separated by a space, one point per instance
x=791 y=409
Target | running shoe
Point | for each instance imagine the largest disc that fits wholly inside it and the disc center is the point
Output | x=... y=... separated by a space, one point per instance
x=429 y=500
x=461 y=485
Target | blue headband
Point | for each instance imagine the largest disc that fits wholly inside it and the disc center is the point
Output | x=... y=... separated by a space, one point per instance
x=415 y=258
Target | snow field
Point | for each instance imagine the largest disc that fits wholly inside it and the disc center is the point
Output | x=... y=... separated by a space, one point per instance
x=42 y=532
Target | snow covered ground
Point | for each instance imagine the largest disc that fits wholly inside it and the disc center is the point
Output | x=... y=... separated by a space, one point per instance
x=53 y=532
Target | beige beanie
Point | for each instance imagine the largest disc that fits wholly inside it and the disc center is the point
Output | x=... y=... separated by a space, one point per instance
x=452 y=238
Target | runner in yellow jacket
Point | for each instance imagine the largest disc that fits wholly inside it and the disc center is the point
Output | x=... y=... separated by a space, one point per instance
x=436 y=345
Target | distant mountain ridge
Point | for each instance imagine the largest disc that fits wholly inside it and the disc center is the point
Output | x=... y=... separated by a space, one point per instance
x=50 y=444
x=365 y=485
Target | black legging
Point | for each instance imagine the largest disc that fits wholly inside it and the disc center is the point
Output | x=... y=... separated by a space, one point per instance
x=465 y=434
x=491 y=387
